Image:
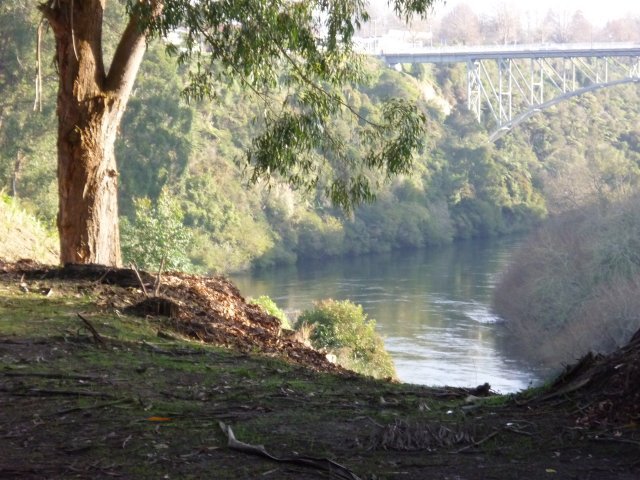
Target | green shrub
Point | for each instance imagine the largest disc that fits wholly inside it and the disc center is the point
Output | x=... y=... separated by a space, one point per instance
x=343 y=329
x=157 y=234
x=269 y=306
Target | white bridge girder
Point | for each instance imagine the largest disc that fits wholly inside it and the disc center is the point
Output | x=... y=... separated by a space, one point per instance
x=511 y=90
x=506 y=84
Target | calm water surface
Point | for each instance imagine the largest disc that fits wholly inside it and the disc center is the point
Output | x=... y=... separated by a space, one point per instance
x=432 y=308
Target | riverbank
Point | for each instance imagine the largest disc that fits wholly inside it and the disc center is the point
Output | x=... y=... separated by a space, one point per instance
x=431 y=306
x=140 y=393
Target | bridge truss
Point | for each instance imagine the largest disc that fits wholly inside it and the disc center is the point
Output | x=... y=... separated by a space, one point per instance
x=538 y=84
x=509 y=84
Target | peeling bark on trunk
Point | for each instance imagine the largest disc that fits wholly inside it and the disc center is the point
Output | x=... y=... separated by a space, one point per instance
x=90 y=107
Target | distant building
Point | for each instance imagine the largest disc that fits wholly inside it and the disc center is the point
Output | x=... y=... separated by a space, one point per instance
x=394 y=41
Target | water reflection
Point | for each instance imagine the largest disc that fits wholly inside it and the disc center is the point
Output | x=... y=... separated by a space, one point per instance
x=432 y=307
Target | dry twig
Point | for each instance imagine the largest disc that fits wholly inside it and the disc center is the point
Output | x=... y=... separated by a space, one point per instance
x=90 y=407
x=96 y=336
x=37 y=392
x=156 y=290
x=135 y=269
x=478 y=443
x=59 y=376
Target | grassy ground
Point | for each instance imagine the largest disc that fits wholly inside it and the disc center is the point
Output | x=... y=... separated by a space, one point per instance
x=126 y=403
x=23 y=236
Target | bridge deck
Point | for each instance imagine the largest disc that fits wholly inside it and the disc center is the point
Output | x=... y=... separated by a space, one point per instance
x=456 y=54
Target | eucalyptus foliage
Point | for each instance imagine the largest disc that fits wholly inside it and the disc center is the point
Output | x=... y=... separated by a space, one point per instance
x=295 y=58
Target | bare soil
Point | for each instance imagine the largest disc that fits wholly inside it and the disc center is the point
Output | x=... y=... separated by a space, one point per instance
x=145 y=386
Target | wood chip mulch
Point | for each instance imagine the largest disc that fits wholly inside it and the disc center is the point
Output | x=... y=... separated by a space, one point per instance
x=207 y=309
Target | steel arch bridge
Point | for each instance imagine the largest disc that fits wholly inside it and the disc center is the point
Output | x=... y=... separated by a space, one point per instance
x=512 y=82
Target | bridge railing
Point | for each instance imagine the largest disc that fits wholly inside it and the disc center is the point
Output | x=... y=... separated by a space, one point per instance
x=463 y=53
x=508 y=83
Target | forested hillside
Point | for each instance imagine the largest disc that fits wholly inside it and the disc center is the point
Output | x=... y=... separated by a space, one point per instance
x=183 y=185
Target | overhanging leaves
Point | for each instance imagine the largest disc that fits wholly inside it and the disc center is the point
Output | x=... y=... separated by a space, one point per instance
x=296 y=59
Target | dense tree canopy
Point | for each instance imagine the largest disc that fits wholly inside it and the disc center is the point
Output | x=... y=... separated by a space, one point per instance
x=460 y=186
x=296 y=58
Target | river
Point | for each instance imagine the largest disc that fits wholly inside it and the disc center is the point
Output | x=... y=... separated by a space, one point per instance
x=432 y=308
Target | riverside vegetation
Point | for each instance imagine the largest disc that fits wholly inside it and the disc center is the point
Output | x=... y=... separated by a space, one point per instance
x=341 y=329
x=179 y=159
x=574 y=285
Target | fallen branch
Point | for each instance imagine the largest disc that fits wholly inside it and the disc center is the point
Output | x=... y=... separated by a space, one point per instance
x=176 y=352
x=567 y=389
x=90 y=407
x=126 y=440
x=478 y=443
x=168 y=336
x=615 y=440
x=96 y=336
x=59 y=376
x=366 y=417
x=10 y=341
x=36 y=392
x=103 y=276
x=334 y=468
x=518 y=431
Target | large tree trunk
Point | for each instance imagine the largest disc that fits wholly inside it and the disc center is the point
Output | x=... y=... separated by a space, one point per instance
x=87 y=176
x=90 y=108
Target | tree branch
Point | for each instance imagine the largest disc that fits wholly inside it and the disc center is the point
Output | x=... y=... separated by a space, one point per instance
x=127 y=59
x=130 y=50
x=51 y=11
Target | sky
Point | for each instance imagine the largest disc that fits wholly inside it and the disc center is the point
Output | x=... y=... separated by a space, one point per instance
x=598 y=12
